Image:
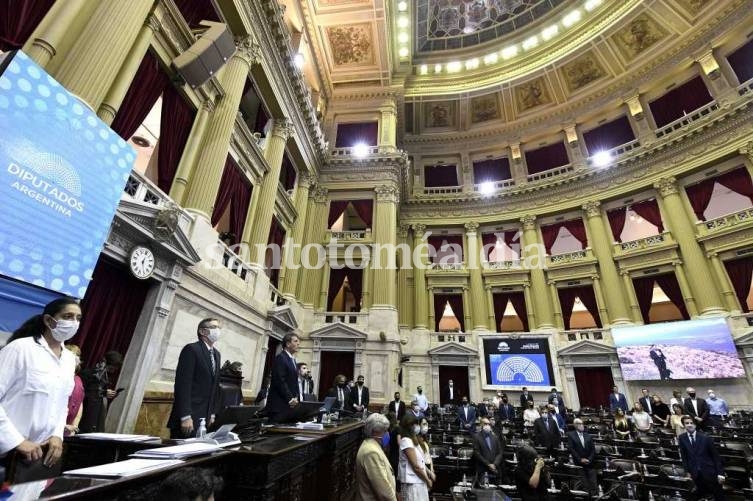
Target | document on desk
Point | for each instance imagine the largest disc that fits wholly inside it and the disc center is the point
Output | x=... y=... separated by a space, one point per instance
x=304 y=437
x=178 y=451
x=121 y=437
x=125 y=468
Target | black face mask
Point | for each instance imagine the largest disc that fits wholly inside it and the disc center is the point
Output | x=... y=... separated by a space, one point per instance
x=360 y=383
x=465 y=403
x=691 y=395
x=397 y=399
x=420 y=391
x=341 y=385
x=504 y=400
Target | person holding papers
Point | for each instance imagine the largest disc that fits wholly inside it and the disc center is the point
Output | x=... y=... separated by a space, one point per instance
x=36 y=379
x=197 y=382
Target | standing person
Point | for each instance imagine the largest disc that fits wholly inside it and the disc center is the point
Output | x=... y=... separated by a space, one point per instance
x=641 y=419
x=530 y=415
x=99 y=392
x=283 y=392
x=621 y=426
x=660 y=361
x=675 y=420
x=397 y=406
x=701 y=461
x=661 y=411
x=467 y=416
x=197 y=382
x=426 y=446
x=261 y=397
x=449 y=394
x=525 y=397
x=506 y=411
x=423 y=402
x=415 y=409
x=646 y=402
x=555 y=398
x=36 y=379
x=617 y=400
x=718 y=409
x=415 y=478
x=488 y=452
x=341 y=392
x=360 y=396
x=482 y=409
x=76 y=400
x=676 y=398
x=531 y=475
x=696 y=408
x=583 y=451
x=375 y=480
x=305 y=391
x=546 y=431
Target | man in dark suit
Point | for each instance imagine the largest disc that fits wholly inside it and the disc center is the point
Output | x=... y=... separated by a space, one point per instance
x=196 y=390
x=397 y=406
x=467 y=416
x=583 y=451
x=487 y=452
x=546 y=432
x=617 y=400
x=305 y=384
x=525 y=397
x=646 y=401
x=701 y=460
x=555 y=398
x=506 y=411
x=697 y=408
x=449 y=394
x=341 y=392
x=283 y=392
x=359 y=396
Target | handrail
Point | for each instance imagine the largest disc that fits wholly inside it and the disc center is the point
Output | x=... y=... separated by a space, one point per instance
x=645 y=242
x=687 y=119
x=442 y=190
x=233 y=261
x=447 y=266
x=745 y=87
x=557 y=171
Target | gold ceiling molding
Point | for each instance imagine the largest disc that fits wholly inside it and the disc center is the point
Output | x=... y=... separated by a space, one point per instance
x=639 y=35
x=351 y=44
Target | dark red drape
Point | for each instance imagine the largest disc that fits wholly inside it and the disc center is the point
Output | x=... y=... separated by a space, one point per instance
x=495 y=169
x=511 y=236
x=518 y=303
x=549 y=235
x=742 y=62
x=336 y=280
x=18 y=19
x=587 y=297
x=594 y=385
x=194 y=11
x=262 y=117
x=547 y=157
x=234 y=191
x=578 y=230
x=111 y=308
x=608 y=135
x=671 y=288
x=649 y=210
x=355 y=279
x=740 y=272
x=276 y=237
x=349 y=135
x=147 y=86
x=440 y=175
x=365 y=210
x=616 y=219
x=287 y=173
x=679 y=101
x=644 y=292
x=737 y=180
x=173 y=134
x=440 y=301
x=700 y=196
x=436 y=242
x=336 y=208
x=488 y=241
x=456 y=303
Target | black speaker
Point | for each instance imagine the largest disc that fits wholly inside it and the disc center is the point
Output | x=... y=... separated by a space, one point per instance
x=207 y=55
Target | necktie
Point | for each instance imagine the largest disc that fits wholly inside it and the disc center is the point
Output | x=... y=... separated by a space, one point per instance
x=211 y=358
x=488 y=442
x=692 y=440
x=340 y=395
x=582 y=442
x=546 y=421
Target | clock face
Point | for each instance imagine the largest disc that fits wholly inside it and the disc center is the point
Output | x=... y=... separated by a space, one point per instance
x=142 y=262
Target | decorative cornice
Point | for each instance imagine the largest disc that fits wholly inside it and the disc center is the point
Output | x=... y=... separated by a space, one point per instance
x=592 y=208
x=666 y=186
x=247 y=49
x=306 y=180
x=528 y=222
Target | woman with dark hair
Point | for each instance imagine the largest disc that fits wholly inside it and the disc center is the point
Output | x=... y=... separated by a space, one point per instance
x=36 y=379
x=415 y=478
x=531 y=475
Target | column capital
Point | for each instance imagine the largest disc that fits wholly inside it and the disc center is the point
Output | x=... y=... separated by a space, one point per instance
x=529 y=222
x=319 y=194
x=592 y=208
x=386 y=193
x=402 y=230
x=419 y=229
x=152 y=23
x=624 y=273
x=712 y=254
x=666 y=186
x=306 y=180
x=247 y=49
x=471 y=227
x=282 y=128
x=747 y=150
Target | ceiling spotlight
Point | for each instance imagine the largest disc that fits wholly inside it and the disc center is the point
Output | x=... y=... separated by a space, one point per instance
x=402 y=6
x=423 y=69
x=437 y=68
x=592 y=4
x=486 y=188
x=454 y=67
x=571 y=18
x=509 y=52
x=299 y=60
x=402 y=22
x=360 y=150
x=531 y=42
x=402 y=37
x=471 y=64
x=602 y=159
x=549 y=32
x=490 y=58
x=403 y=52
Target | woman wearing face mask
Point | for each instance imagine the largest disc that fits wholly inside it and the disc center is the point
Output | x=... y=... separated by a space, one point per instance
x=36 y=379
x=530 y=415
x=425 y=446
x=415 y=478
x=75 y=407
x=531 y=475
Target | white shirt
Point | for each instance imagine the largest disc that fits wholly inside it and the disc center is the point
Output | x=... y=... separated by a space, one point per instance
x=529 y=416
x=423 y=402
x=34 y=388
x=642 y=420
x=405 y=471
x=359 y=390
x=695 y=405
x=452 y=392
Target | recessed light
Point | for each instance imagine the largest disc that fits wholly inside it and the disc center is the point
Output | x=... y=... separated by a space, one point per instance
x=549 y=32
x=601 y=159
x=592 y=4
x=402 y=6
x=423 y=69
x=403 y=37
x=491 y=58
x=509 y=52
x=402 y=22
x=571 y=18
x=141 y=141
x=530 y=43
x=454 y=67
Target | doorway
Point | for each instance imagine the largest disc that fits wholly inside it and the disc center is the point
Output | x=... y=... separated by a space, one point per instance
x=272 y=351
x=459 y=376
x=332 y=363
x=594 y=385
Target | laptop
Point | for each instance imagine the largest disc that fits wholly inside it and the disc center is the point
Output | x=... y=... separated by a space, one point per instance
x=236 y=415
x=329 y=402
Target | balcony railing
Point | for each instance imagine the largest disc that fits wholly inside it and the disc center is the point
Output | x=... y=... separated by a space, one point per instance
x=726 y=221
x=349 y=234
x=687 y=119
x=275 y=296
x=547 y=174
x=360 y=319
x=745 y=87
x=442 y=190
x=643 y=243
x=568 y=257
x=620 y=150
x=141 y=189
x=355 y=151
x=496 y=185
x=577 y=335
x=514 y=264
x=448 y=337
x=235 y=263
x=447 y=266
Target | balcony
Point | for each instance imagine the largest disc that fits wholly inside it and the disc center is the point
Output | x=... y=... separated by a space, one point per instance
x=569 y=258
x=745 y=87
x=356 y=319
x=688 y=119
x=565 y=338
x=235 y=263
x=348 y=236
x=443 y=190
x=548 y=174
x=515 y=264
x=643 y=245
x=439 y=338
x=725 y=224
x=447 y=266
x=495 y=185
x=615 y=153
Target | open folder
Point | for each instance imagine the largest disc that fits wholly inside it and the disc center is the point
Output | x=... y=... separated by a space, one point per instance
x=178 y=451
x=125 y=468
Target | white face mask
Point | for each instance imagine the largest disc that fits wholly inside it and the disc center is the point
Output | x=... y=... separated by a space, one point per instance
x=214 y=335
x=416 y=408
x=425 y=429
x=580 y=427
x=487 y=428
x=64 y=330
x=416 y=429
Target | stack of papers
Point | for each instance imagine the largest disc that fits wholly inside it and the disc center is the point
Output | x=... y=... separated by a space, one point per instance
x=122 y=437
x=178 y=451
x=123 y=468
x=310 y=426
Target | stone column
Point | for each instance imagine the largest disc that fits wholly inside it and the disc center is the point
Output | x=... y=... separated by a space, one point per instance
x=366 y=295
x=292 y=258
x=388 y=127
x=719 y=88
x=534 y=257
x=258 y=235
x=479 y=315
x=635 y=308
x=99 y=52
x=190 y=152
x=687 y=294
x=432 y=321
x=404 y=310
x=518 y=168
x=205 y=180
x=730 y=299
x=559 y=320
x=114 y=98
x=310 y=279
x=600 y=302
x=702 y=287
x=385 y=234
x=466 y=173
x=419 y=277
x=55 y=27
x=490 y=308
x=577 y=159
x=615 y=299
x=532 y=320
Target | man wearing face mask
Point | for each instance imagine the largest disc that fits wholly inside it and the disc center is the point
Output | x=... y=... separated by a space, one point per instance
x=397 y=406
x=488 y=452
x=360 y=395
x=583 y=451
x=375 y=479
x=718 y=409
x=506 y=411
x=696 y=408
x=196 y=382
x=98 y=384
x=449 y=394
x=305 y=387
x=525 y=398
x=416 y=410
x=341 y=392
x=701 y=461
x=423 y=402
x=467 y=416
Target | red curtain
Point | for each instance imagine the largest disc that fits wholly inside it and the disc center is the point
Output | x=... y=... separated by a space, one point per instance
x=671 y=288
x=440 y=175
x=173 y=134
x=549 y=235
x=355 y=279
x=495 y=169
x=435 y=244
x=679 y=101
x=737 y=180
x=111 y=308
x=287 y=173
x=276 y=237
x=456 y=303
x=547 y=157
x=234 y=191
x=336 y=208
x=18 y=19
x=518 y=303
x=740 y=272
x=608 y=135
x=617 y=222
x=576 y=228
x=644 y=292
x=336 y=280
x=587 y=297
x=365 y=210
x=594 y=384
x=440 y=301
x=700 y=196
x=488 y=241
x=742 y=62
x=349 y=135
x=146 y=87
x=649 y=210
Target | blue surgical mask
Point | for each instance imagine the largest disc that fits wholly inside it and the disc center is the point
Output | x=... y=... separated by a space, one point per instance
x=385 y=440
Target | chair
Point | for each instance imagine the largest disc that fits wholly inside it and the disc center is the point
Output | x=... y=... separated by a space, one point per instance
x=625 y=466
x=672 y=470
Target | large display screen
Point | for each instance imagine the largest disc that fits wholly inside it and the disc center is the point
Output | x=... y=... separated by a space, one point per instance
x=518 y=362
x=62 y=172
x=693 y=349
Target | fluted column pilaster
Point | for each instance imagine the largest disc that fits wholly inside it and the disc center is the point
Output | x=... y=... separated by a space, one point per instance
x=535 y=258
